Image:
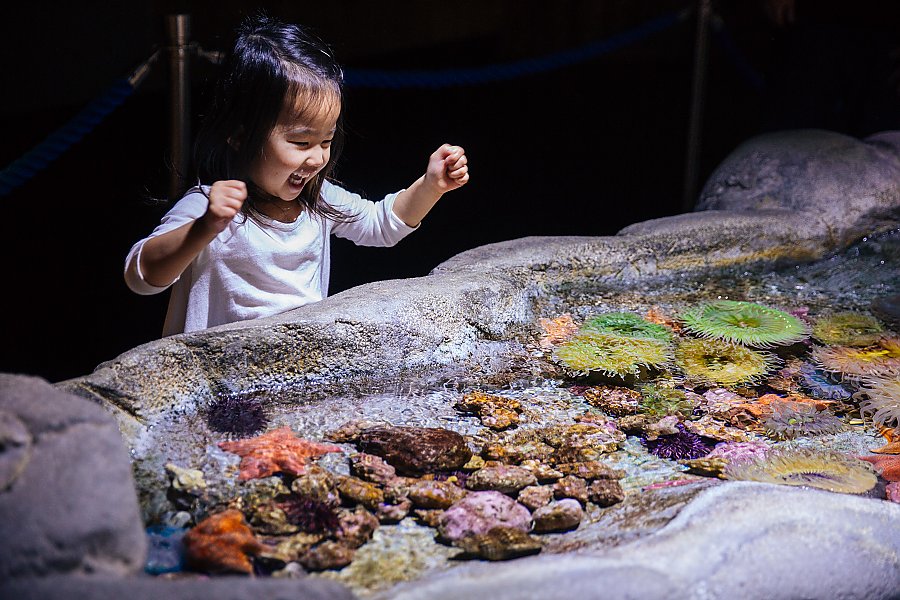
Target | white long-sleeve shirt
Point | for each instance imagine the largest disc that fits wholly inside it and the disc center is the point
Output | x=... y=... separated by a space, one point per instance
x=253 y=270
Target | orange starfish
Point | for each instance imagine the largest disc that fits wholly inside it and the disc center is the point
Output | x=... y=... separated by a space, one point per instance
x=276 y=451
x=888 y=466
x=221 y=543
x=892 y=436
x=557 y=331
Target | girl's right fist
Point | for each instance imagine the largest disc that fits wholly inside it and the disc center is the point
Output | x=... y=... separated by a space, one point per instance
x=225 y=201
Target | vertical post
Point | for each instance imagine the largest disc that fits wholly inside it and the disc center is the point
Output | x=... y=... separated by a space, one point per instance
x=178 y=28
x=698 y=93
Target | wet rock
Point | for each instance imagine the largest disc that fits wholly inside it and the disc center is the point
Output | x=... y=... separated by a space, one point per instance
x=562 y=515
x=575 y=488
x=614 y=400
x=605 y=492
x=495 y=412
x=535 y=496
x=393 y=513
x=291 y=548
x=221 y=543
x=372 y=468
x=416 y=450
x=506 y=479
x=707 y=466
x=500 y=543
x=360 y=492
x=68 y=503
x=478 y=512
x=317 y=483
x=355 y=527
x=590 y=470
x=270 y=519
x=327 y=555
x=586 y=442
x=435 y=494
x=542 y=471
x=517 y=450
x=430 y=517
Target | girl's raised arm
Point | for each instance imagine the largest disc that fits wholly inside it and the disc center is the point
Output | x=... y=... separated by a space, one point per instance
x=447 y=170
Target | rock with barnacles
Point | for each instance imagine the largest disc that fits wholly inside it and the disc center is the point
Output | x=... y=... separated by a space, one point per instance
x=535 y=496
x=562 y=515
x=585 y=442
x=571 y=487
x=543 y=472
x=590 y=470
x=316 y=483
x=355 y=527
x=479 y=512
x=359 y=491
x=605 y=492
x=495 y=412
x=372 y=468
x=506 y=479
x=435 y=494
x=614 y=400
x=416 y=450
x=393 y=512
x=499 y=543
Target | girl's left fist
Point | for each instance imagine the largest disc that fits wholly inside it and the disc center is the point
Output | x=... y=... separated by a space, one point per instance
x=448 y=168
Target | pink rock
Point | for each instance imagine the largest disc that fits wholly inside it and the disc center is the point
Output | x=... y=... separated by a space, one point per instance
x=478 y=512
x=892 y=491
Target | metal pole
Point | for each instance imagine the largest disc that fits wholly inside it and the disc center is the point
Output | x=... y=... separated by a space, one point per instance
x=179 y=33
x=698 y=93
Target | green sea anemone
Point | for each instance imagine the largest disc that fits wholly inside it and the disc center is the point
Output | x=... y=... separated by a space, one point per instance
x=659 y=401
x=612 y=355
x=628 y=325
x=827 y=470
x=880 y=399
x=744 y=323
x=847 y=329
x=716 y=362
x=881 y=359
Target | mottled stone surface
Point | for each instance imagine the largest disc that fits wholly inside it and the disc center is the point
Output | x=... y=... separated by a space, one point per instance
x=479 y=512
x=416 y=450
x=68 y=503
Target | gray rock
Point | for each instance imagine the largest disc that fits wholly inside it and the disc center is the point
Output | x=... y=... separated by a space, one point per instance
x=149 y=588
x=68 y=502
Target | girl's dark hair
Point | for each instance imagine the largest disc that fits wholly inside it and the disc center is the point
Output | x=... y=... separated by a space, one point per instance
x=271 y=66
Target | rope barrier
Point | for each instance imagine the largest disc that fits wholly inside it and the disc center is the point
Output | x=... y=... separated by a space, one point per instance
x=39 y=157
x=422 y=79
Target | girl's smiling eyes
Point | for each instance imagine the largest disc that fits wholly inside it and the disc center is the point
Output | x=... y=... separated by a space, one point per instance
x=304 y=144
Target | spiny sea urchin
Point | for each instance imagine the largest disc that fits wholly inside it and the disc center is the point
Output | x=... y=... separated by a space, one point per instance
x=683 y=445
x=613 y=355
x=241 y=415
x=878 y=360
x=660 y=401
x=744 y=323
x=716 y=362
x=879 y=398
x=847 y=329
x=827 y=470
x=309 y=514
x=790 y=420
x=628 y=325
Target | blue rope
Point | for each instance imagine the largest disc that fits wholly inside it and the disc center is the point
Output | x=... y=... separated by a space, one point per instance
x=374 y=78
x=23 y=169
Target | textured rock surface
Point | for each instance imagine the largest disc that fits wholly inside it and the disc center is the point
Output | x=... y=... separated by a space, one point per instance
x=770 y=542
x=68 y=503
x=416 y=450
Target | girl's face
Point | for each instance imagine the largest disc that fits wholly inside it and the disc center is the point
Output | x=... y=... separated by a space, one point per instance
x=296 y=150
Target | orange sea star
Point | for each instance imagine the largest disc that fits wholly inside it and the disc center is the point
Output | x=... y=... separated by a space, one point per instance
x=221 y=543
x=887 y=465
x=274 y=452
x=892 y=437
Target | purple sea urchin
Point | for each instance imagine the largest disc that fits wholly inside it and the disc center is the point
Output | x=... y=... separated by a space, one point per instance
x=847 y=329
x=827 y=470
x=683 y=445
x=716 y=362
x=627 y=325
x=744 y=323
x=613 y=355
x=790 y=420
x=309 y=514
x=880 y=400
x=878 y=360
x=240 y=415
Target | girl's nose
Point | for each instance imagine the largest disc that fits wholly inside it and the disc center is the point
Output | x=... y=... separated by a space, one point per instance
x=316 y=157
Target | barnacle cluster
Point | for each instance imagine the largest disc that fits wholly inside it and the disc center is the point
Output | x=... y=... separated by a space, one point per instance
x=880 y=359
x=717 y=362
x=744 y=323
x=847 y=329
x=821 y=469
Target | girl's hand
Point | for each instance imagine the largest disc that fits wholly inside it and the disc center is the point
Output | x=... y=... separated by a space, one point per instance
x=225 y=201
x=447 y=169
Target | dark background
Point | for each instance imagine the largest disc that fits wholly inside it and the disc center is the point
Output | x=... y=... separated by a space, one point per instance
x=581 y=150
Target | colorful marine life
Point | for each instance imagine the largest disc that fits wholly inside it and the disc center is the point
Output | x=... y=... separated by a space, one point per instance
x=221 y=543
x=276 y=452
x=879 y=399
x=881 y=359
x=819 y=384
x=847 y=329
x=660 y=400
x=887 y=465
x=557 y=330
x=241 y=415
x=789 y=420
x=827 y=470
x=720 y=363
x=744 y=323
x=613 y=355
x=627 y=325
x=683 y=445
x=310 y=514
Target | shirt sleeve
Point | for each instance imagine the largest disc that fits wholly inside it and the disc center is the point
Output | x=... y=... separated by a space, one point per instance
x=370 y=223
x=190 y=208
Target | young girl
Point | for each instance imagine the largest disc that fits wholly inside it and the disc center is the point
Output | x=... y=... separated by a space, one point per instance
x=255 y=242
